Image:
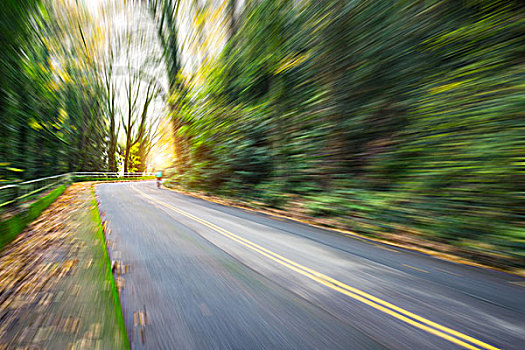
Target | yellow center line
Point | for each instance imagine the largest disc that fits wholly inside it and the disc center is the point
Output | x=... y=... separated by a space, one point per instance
x=415 y=268
x=379 y=304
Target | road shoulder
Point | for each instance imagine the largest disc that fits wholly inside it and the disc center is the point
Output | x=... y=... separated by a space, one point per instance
x=412 y=243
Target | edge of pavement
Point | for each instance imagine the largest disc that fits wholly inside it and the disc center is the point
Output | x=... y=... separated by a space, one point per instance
x=308 y=220
x=101 y=233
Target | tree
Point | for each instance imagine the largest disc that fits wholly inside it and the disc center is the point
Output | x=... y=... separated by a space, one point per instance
x=136 y=130
x=50 y=102
x=355 y=108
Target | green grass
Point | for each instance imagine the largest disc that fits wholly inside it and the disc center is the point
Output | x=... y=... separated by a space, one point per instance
x=95 y=214
x=11 y=227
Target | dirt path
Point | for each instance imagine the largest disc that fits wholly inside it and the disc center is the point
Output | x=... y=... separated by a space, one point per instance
x=55 y=286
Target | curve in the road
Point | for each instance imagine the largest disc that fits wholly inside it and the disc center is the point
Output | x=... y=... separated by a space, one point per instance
x=399 y=313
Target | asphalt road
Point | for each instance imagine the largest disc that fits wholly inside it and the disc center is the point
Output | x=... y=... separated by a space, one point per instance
x=206 y=276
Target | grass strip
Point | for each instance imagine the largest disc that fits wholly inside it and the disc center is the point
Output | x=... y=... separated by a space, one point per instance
x=95 y=213
x=11 y=227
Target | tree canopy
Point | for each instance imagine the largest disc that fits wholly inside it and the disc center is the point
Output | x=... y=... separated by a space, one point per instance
x=395 y=116
x=400 y=117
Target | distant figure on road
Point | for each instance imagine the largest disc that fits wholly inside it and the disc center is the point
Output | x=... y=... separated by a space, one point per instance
x=158 y=175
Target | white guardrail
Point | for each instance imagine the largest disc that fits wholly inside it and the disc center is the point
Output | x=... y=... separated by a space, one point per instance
x=15 y=193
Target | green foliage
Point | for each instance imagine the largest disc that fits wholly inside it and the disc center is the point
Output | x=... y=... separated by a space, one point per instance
x=134 y=160
x=51 y=95
x=393 y=116
x=109 y=278
x=11 y=227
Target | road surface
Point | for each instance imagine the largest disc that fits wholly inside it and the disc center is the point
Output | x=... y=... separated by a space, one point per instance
x=200 y=275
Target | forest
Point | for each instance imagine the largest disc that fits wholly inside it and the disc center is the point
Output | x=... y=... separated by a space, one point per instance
x=393 y=117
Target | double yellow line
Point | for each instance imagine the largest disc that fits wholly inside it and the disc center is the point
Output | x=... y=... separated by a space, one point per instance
x=354 y=293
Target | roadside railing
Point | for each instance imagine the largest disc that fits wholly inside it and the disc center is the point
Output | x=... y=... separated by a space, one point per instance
x=17 y=193
x=85 y=174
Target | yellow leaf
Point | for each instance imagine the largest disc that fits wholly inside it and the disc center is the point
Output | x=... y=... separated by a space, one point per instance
x=33 y=124
x=446 y=87
x=291 y=62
